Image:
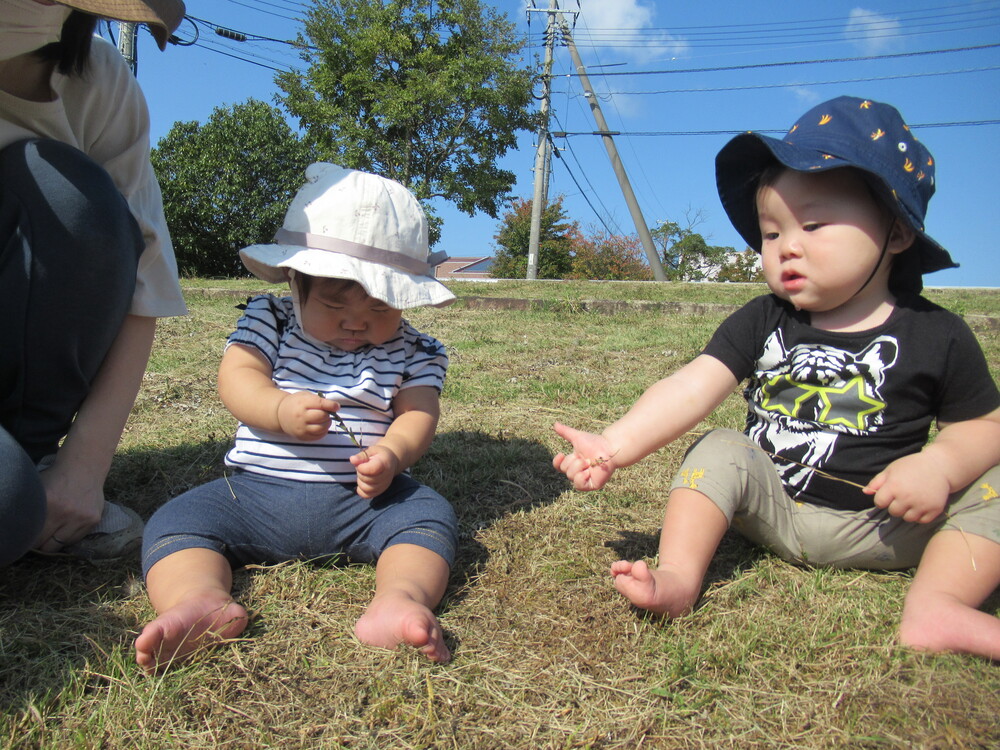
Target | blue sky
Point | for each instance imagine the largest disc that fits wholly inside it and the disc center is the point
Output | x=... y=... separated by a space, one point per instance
x=684 y=74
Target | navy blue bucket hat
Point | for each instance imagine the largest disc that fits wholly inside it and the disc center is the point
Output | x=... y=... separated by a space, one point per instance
x=843 y=132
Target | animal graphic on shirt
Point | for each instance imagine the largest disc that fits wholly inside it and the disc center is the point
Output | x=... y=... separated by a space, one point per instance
x=804 y=398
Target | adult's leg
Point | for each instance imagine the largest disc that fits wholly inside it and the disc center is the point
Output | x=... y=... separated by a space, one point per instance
x=69 y=250
x=22 y=500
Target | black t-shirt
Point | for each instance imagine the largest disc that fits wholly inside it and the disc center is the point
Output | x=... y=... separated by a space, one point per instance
x=831 y=406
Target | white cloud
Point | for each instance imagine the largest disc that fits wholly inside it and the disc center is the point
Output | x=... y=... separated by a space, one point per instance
x=871 y=32
x=808 y=97
x=607 y=19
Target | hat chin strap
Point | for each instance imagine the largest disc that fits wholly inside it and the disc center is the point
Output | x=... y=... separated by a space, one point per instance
x=878 y=264
x=297 y=301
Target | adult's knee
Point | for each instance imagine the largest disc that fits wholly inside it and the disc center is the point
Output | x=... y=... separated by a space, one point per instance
x=68 y=203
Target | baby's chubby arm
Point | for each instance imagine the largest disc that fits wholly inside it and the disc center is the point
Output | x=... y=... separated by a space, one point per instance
x=668 y=409
x=409 y=436
x=250 y=394
x=916 y=487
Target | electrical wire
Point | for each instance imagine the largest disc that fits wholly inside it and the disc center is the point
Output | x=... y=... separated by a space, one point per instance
x=631 y=145
x=781 y=131
x=706 y=90
x=583 y=192
x=788 y=63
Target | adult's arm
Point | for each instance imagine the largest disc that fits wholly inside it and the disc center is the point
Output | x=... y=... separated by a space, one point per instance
x=74 y=484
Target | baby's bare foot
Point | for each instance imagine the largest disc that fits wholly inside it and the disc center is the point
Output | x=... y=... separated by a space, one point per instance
x=192 y=624
x=664 y=591
x=392 y=619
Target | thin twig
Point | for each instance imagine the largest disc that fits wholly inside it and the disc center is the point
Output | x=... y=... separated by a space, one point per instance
x=947 y=517
x=799 y=463
x=350 y=433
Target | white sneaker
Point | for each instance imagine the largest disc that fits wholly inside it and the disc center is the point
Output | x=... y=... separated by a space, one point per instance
x=117 y=534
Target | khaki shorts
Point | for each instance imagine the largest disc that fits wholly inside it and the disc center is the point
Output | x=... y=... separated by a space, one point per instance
x=736 y=475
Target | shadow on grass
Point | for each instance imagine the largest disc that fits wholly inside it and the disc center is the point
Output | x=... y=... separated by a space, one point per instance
x=733 y=555
x=57 y=615
x=486 y=477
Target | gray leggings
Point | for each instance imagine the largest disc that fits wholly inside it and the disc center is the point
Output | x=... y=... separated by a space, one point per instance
x=69 y=251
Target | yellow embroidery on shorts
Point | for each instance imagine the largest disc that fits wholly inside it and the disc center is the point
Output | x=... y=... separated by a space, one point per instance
x=989 y=493
x=691 y=477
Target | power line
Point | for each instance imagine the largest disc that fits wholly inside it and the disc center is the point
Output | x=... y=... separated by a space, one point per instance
x=631 y=144
x=247 y=36
x=776 y=32
x=794 y=84
x=583 y=193
x=781 y=131
x=586 y=198
x=255 y=6
x=854 y=33
x=788 y=63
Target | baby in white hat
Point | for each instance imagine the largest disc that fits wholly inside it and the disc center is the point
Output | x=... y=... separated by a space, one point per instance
x=337 y=397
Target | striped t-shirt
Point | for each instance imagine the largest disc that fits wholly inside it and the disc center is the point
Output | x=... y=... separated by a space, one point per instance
x=363 y=382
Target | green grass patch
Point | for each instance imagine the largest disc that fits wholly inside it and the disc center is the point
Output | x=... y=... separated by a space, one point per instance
x=547 y=655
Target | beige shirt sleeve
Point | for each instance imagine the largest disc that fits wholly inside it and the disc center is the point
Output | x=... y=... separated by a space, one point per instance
x=104 y=114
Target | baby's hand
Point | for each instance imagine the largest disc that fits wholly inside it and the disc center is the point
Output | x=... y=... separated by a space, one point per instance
x=306 y=415
x=591 y=464
x=376 y=468
x=911 y=488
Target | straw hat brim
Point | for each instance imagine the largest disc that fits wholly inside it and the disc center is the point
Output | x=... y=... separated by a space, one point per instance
x=162 y=16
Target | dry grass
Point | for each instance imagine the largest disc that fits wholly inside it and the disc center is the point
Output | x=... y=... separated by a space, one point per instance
x=546 y=654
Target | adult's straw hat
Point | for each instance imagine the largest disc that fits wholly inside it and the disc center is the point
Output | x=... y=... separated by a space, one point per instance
x=162 y=16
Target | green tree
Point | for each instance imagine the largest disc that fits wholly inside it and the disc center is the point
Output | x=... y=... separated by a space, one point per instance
x=426 y=92
x=743 y=266
x=610 y=257
x=226 y=184
x=685 y=254
x=555 y=243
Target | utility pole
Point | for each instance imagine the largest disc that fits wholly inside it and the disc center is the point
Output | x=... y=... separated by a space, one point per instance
x=127 y=46
x=540 y=197
x=616 y=162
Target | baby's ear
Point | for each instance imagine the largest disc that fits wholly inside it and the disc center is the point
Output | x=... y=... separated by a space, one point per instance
x=901 y=236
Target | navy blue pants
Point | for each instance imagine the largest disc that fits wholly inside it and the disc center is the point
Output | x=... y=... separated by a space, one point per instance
x=253 y=518
x=69 y=251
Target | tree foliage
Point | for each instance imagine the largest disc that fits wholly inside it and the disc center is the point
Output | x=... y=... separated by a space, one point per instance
x=743 y=266
x=430 y=93
x=555 y=243
x=226 y=184
x=685 y=254
x=610 y=257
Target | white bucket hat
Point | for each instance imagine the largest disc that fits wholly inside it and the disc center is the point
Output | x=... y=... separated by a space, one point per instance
x=346 y=224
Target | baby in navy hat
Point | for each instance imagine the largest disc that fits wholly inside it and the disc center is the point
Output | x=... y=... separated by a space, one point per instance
x=847 y=368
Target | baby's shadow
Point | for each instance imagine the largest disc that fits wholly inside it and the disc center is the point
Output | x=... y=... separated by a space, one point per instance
x=486 y=478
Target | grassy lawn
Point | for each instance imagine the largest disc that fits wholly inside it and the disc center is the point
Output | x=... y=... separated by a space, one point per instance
x=547 y=655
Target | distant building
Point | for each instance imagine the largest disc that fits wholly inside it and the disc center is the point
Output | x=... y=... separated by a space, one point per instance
x=464 y=268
